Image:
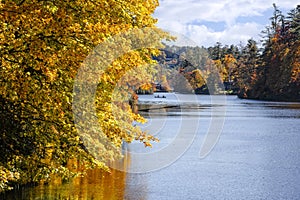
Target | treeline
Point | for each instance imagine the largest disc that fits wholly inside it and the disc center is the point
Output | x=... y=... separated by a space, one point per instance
x=274 y=72
x=199 y=70
x=270 y=72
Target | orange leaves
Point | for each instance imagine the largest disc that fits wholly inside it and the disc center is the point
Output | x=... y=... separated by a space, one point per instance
x=218 y=63
x=295 y=51
x=52 y=74
x=146 y=86
x=229 y=59
x=274 y=39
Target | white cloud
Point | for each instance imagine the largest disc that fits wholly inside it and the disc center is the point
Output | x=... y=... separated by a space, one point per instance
x=203 y=36
x=192 y=17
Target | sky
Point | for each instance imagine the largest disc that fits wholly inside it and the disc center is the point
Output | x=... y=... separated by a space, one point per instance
x=205 y=22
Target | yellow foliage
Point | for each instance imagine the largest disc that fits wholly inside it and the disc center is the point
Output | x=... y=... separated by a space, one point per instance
x=42 y=47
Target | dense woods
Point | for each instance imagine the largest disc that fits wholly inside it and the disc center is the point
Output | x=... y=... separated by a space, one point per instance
x=269 y=72
x=275 y=72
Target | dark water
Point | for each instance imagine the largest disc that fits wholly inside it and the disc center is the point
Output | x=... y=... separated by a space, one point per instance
x=256 y=156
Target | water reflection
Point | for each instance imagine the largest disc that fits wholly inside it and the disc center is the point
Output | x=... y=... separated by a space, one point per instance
x=96 y=184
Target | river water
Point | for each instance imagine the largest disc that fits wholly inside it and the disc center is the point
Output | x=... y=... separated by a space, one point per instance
x=211 y=147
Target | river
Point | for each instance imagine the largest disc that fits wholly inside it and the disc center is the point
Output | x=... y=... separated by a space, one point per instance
x=211 y=147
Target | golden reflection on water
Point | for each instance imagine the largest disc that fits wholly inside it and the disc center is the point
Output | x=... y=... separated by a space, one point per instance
x=96 y=184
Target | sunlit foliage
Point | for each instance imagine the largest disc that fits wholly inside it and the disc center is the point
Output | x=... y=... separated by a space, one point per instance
x=42 y=45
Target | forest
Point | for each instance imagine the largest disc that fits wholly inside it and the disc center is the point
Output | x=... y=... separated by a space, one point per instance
x=44 y=43
x=268 y=72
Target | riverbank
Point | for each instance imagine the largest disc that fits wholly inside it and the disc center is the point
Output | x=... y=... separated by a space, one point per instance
x=291 y=96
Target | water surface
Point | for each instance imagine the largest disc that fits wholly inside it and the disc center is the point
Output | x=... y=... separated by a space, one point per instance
x=257 y=155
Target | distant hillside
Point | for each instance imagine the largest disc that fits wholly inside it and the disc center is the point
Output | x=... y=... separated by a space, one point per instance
x=269 y=73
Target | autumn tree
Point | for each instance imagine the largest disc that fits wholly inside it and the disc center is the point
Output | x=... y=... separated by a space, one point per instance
x=197 y=67
x=43 y=44
x=277 y=76
x=248 y=67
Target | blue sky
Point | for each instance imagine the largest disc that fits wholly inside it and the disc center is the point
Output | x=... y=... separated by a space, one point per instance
x=226 y=21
